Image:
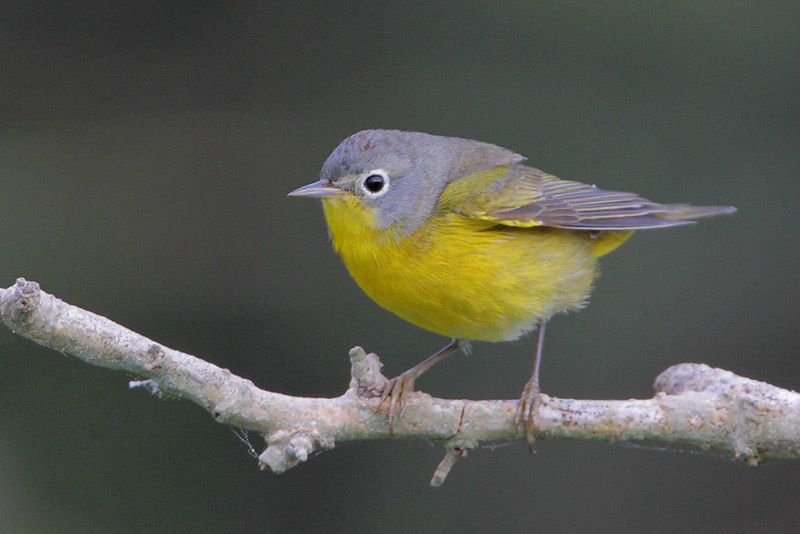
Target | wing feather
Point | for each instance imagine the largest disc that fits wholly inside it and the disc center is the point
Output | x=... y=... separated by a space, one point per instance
x=524 y=196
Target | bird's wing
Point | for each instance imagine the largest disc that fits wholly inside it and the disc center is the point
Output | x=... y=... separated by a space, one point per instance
x=526 y=197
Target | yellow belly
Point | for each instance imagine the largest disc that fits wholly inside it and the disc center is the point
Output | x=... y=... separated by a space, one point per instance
x=464 y=278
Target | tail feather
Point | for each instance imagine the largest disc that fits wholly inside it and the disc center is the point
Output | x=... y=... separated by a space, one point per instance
x=687 y=212
x=645 y=216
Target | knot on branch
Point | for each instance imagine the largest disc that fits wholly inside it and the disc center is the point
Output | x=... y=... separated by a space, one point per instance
x=701 y=378
x=367 y=380
x=19 y=301
x=287 y=448
x=696 y=377
x=751 y=416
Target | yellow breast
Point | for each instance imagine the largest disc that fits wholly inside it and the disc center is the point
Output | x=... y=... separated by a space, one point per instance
x=464 y=278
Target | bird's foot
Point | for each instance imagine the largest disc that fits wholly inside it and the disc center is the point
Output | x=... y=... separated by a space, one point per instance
x=396 y=391
x=529 y=404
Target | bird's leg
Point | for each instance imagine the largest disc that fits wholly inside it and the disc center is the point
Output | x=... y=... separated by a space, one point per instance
x=529 y=402
x=399 y=386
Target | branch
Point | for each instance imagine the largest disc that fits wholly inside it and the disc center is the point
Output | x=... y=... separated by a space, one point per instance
x=694 y=404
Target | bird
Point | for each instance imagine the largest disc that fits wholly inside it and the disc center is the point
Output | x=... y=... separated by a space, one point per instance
x=464 y=239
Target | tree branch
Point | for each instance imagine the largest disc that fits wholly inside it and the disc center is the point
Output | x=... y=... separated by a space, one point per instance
x=694 y=404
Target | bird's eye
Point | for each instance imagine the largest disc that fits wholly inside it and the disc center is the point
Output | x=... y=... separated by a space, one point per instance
x=376 y=183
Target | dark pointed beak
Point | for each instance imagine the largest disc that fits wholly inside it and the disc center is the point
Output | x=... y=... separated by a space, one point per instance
x=319 y=189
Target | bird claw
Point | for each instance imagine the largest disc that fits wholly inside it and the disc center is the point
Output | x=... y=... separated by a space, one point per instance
x=526 y=411
x=396 y=391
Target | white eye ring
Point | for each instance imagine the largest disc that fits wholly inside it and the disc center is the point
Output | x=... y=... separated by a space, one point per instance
x=375 y=183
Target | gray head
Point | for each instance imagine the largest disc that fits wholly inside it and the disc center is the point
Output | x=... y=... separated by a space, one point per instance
x=401 y=174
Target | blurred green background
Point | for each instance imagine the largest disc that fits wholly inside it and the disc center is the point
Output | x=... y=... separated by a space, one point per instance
x=145 y=152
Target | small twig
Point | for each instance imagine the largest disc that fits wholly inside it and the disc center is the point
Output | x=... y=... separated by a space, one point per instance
x=447 y=463
x=694 y=404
